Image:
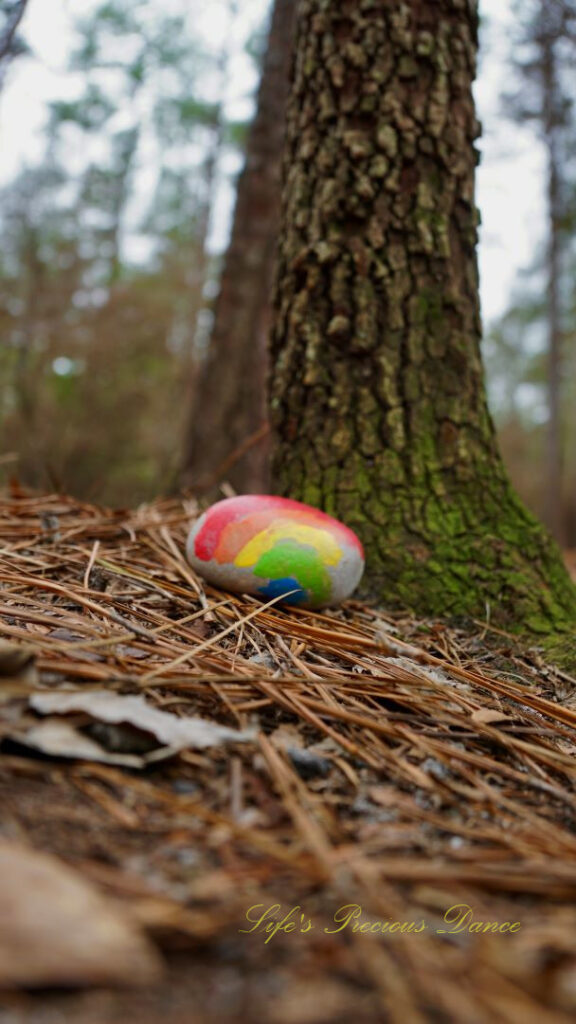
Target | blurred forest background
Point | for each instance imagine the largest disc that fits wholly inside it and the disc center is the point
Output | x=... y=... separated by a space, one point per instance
x=132 y=340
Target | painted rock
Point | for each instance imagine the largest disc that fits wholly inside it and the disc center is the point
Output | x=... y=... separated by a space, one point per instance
x=267 y=546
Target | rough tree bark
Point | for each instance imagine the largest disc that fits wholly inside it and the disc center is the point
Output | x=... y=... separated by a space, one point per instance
x=378 y=399
x=227 y=435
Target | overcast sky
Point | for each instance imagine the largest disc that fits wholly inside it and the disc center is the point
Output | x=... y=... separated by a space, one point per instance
x=509 y=178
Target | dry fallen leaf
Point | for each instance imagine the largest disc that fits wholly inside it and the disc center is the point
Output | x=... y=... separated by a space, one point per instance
x=120 y=730
x=169 y=729
x=57 y=930
x=59 y=738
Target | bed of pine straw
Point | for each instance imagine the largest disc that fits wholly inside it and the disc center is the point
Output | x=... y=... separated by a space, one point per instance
x=439 y=770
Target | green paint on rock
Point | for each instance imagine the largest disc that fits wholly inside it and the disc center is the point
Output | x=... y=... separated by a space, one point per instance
x=288 y=558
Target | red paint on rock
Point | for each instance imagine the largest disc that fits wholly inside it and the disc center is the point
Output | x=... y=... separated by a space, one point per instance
x=244 y=506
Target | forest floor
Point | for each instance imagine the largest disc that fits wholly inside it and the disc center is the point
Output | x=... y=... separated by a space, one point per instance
x=388 y=773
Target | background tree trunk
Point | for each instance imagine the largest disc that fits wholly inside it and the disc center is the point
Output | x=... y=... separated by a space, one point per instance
x=227 y=435
x=551 y=29
x=378 y=397
x=10 y=44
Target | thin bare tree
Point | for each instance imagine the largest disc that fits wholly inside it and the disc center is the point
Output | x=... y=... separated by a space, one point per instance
x=226 y=437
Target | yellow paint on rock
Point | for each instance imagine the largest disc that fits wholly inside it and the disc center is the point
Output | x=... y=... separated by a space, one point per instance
x=321 y=540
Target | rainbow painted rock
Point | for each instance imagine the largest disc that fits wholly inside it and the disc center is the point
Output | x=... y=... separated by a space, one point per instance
x=267 y=546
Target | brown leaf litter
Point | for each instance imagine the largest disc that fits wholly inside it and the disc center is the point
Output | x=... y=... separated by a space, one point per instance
x=374 y=817
x=57 y=929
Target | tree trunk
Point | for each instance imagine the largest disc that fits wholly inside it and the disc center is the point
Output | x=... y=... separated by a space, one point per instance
x=552 y=127
x=227 y=436
x=378 y=397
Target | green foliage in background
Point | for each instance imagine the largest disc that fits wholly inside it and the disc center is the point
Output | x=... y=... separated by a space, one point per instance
x=529 y=353
x=104 y=263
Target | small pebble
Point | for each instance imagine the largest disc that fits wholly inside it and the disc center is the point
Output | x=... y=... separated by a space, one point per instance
x=185 y=786
x=307 y=764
